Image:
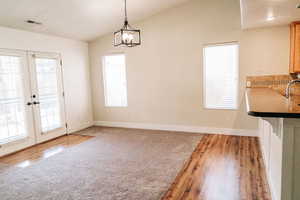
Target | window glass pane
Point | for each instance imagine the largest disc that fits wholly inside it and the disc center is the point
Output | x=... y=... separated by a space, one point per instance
x=47 y=81
x=114 y=77
x=221 y=76
x=12 y=107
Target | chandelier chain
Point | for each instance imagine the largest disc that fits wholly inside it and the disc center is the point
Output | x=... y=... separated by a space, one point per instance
x=125 y=10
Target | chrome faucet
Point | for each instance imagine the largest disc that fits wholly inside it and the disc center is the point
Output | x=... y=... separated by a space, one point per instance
x=288 y=88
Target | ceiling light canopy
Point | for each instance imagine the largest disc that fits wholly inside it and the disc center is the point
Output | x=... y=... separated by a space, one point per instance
x=127 y=36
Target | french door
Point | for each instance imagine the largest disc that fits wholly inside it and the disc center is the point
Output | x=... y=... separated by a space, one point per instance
x=31 y=99
x=47 y=95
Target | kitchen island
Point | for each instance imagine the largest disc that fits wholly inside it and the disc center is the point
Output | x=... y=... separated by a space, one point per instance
x=279 y=132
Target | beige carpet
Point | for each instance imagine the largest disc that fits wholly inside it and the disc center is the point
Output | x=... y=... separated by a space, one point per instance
x=118 y=164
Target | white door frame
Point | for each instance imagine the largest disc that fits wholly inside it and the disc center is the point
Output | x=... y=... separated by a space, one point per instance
x=41 y=137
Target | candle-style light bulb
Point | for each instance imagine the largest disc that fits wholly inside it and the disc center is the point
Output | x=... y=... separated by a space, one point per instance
x=127 y=37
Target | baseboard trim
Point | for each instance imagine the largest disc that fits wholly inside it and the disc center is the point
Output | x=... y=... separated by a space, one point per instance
x=181 y=128
x=80 y=127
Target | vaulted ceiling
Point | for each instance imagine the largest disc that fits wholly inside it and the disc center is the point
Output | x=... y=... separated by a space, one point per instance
x=77 y=19
x=89 y=19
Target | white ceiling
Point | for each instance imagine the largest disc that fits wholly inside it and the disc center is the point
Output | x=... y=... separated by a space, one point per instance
x=77 y=19
x=89 y=19
x=260 y=13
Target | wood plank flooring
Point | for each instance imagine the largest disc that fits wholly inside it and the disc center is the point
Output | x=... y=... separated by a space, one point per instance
x=222 y=168
x=41 y=151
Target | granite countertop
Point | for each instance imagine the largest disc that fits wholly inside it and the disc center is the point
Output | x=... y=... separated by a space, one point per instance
x=265 y=102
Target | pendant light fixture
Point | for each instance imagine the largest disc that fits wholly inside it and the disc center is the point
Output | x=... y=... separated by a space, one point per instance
x=127 y=36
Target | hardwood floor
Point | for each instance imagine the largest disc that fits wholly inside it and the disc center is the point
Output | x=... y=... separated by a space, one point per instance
x=26 y=157
x=222 y=168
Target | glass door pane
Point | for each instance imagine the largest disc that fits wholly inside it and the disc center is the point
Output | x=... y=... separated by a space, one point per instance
x=47 y=83
x=13 y=98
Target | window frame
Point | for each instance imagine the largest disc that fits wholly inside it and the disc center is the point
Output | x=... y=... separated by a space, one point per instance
x=236 y=107
x=105 y=83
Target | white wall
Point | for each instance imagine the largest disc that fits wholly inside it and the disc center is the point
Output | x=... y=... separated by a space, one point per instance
x=75 y=69
x=164 y=74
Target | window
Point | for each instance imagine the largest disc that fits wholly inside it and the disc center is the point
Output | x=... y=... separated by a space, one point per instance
x=221 y=76
x=114 y=78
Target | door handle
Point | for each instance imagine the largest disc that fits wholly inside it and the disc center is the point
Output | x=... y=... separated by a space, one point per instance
x=36 y=102
x=29 y=104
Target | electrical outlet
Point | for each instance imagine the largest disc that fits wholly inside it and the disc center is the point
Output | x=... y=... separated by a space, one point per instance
x=248 y=84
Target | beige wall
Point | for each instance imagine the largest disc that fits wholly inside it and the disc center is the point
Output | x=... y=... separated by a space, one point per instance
x=164 y=74
x=75 y=68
